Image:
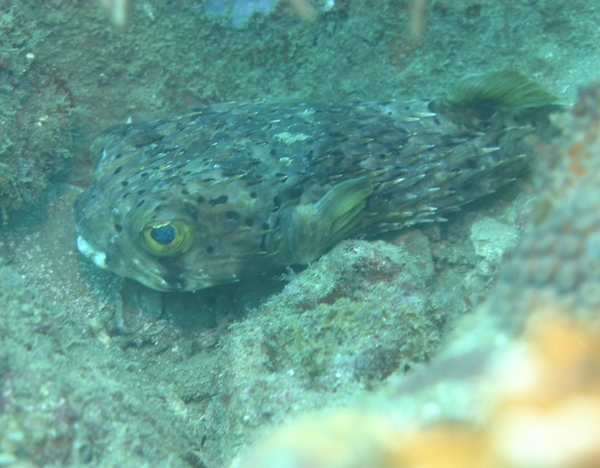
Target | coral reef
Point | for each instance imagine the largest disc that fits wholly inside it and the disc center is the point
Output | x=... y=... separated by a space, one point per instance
x=543 y=411
x=343 y=325
x=95 y=372
x=35 y=107
x=558 y=260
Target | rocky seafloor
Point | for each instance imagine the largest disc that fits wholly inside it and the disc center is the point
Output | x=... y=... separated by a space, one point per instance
x=409 y=330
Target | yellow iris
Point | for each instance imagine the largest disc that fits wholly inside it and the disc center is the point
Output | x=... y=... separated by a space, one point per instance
x=167 y=238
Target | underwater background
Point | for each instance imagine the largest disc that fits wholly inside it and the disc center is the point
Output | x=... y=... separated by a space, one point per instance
x=435 y=344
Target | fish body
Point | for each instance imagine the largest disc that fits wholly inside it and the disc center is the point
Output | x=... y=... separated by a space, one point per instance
x=240 y=189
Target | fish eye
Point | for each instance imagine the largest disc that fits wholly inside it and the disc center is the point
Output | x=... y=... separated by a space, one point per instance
x=166 y=238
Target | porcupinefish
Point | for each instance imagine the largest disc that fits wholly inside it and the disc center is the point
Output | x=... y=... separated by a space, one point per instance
x=238 y=189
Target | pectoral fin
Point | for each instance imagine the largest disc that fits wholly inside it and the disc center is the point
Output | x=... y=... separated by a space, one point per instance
x=309 y=230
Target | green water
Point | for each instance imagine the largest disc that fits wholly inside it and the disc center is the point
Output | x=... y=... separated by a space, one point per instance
x=97 y=371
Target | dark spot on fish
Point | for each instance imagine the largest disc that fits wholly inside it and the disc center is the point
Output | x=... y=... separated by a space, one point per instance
x=472 y=164
x=143 y=175
x=272 y=152
x=118 y=227
x=117 y=170
x=185 y=192
x=210 y=249
x=141 y=192
x=277 y=202
x=146 y=139
x=266 y=226
x=126 y=195
x=249 y=222
x=296 y=192
x=125 y=183
x=119 y=156
x=140 y=203
x=218 y=201
x=263 y=243
x=253 y=195
x=234 y=215
x=200 y=199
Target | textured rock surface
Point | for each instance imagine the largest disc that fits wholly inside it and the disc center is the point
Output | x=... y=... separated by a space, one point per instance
x=97 y=372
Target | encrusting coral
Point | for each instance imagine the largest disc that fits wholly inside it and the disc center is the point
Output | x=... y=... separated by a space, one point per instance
x=544 y=411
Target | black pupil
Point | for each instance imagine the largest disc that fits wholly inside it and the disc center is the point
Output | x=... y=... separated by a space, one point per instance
x=163 y=234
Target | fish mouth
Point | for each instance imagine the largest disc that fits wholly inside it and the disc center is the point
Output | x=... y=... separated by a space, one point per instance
x=96 y=256
x=99 y=257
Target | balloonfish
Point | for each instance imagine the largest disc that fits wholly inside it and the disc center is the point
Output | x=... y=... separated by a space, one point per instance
x=238 y=189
